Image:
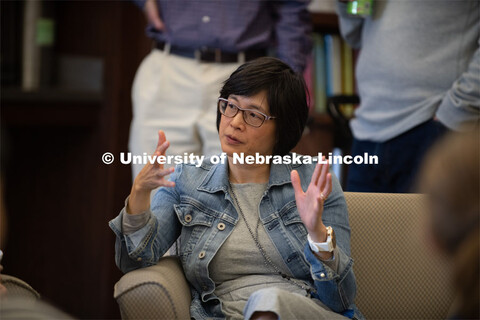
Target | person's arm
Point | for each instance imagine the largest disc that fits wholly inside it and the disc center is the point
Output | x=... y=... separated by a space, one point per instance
x=321 y=205
x=336 y=288
x=293 y=28
x=350 y=26
x=461 y=103
x=144 y=244
x=152 y=13
x=134 y=222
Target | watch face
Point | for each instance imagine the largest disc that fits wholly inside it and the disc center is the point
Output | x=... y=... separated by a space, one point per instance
x=334 y=239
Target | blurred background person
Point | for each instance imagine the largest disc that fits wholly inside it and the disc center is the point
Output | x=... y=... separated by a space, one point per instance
x=197 y=45
x=451 y=177
x=417 y=76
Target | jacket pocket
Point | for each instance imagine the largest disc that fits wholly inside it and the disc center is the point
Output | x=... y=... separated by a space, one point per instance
x=196 y=220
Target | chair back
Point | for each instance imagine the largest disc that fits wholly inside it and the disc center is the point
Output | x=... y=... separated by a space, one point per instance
x=399 y=275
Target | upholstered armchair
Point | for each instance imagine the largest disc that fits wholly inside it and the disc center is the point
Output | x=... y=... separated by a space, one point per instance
x=19 y=288
x=398 y=273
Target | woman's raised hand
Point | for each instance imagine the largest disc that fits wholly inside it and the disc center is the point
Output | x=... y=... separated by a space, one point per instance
x=150 y=177
x=310 y=203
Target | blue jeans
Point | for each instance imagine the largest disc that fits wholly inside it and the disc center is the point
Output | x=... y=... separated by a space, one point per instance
x=399 y=160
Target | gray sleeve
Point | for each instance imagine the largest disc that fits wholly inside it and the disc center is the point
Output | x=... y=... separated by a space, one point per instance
x=333 y=263
x=148 y=244
x=461 y=103
x=350 y=26
x=134 y=222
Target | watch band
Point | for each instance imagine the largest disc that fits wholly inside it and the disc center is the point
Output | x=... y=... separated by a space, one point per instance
x=327 y=246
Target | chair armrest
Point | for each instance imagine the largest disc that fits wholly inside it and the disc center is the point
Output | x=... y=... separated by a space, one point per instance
x=18 y=288
x=157 y=292
x=23 y=302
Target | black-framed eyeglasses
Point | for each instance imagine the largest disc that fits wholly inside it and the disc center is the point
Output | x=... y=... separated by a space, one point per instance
x=252 y=117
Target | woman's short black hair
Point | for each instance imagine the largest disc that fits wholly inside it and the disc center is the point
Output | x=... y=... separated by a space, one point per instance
x=286 y=96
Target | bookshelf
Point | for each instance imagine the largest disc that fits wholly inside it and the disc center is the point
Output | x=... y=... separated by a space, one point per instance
x=319 y=137
x=59 y=195
x=49 y=107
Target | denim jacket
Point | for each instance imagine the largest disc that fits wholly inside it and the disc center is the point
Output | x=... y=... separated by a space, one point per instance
x=200 y=210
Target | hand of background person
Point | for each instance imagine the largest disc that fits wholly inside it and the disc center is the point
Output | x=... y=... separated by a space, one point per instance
x=152 y=14
x=150 y=177
x=310 y=203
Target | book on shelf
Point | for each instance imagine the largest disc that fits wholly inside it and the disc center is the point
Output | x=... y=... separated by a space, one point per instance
x=333 y=56
x=320 y=74
x=334 y=69
x=38 y=41
x=348 y=81
x=347 y=70
x=308 y=75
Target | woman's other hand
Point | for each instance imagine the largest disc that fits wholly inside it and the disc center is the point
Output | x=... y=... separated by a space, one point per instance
x=310 y=203
x=150 y=177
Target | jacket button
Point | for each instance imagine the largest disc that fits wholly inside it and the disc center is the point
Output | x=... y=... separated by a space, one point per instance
x=322 y=275
x=139 y=259
x=188 y=218
x=221 y=226
x=201 y=255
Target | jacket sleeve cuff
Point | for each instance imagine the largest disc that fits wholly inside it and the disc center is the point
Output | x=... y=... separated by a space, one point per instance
x=136 y=241
x=322 y=271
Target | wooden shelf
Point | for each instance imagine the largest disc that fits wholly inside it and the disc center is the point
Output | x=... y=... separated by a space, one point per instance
x=320 y=120
x=49 y=95
x=49 y=107
x=325 y=22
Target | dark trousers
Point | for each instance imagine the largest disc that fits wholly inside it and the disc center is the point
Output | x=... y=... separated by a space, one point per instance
x=399 y=160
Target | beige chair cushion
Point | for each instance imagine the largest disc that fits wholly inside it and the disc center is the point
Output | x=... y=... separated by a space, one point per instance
x=157 y=292
x=399 y=276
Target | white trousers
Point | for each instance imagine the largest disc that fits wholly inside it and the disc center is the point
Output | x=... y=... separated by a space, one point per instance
x=179 y=96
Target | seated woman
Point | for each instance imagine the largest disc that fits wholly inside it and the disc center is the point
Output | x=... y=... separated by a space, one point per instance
x=253 y=244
